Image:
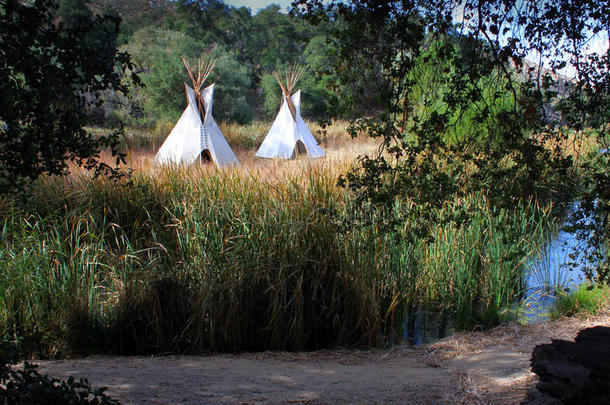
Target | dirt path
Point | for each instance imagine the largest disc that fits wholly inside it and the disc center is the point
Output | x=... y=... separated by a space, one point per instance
x=494 y=366
x=482 y=367
x=312 y=378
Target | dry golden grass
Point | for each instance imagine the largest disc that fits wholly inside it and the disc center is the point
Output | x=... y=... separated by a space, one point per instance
x=341 y=152
x=571 y=143
x=341 y=149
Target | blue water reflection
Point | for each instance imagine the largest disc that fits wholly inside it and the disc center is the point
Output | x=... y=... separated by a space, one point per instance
x=558 y=266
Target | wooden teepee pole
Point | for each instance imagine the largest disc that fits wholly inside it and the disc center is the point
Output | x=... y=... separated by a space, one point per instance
x=291 y=77
x=205 y=64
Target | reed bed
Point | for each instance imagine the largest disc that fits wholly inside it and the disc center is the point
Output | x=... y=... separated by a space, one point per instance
x=179 y=260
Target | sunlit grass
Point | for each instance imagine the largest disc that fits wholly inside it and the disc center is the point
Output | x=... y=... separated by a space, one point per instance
x=582 y=300
x=197 y=259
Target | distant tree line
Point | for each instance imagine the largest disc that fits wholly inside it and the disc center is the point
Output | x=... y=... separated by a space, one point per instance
x=249 y=47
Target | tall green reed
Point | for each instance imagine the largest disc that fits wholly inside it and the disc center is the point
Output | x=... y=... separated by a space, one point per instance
x=188 y=261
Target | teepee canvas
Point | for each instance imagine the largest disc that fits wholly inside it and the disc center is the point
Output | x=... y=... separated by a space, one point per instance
x=196 y=135
x=289 y=134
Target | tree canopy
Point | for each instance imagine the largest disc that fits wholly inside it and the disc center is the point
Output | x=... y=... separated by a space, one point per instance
x=51 y=73
x=476 y=102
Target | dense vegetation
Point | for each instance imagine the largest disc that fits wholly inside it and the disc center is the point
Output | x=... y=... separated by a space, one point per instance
x=467 y=111
x=50 y=78
x=187 y=261
x=428 y=234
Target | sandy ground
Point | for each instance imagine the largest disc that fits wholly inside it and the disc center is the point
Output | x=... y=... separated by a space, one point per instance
x=490 y=367
x=494 y=366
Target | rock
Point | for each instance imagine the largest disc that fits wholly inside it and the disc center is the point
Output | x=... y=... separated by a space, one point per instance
x=575 y=372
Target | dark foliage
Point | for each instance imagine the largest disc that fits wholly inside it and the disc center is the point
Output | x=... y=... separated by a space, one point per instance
x=51 y=75
x=519 y=123
x=21 y=386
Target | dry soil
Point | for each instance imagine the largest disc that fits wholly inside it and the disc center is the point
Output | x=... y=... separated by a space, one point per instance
x=478 y=367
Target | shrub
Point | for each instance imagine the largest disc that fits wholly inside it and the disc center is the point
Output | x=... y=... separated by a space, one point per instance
x=582 y=301
x=21 y=386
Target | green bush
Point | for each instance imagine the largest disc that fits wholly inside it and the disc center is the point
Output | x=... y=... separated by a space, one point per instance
x=581 y=301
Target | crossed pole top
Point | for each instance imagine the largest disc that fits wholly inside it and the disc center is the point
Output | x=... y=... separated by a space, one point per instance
x=205 y=64
x=291 y=76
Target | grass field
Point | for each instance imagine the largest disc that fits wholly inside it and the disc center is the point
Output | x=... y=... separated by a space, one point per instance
x=255 y=258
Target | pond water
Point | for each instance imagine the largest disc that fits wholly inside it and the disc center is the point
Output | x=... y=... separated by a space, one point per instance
x=551 y=271
x=558 y=266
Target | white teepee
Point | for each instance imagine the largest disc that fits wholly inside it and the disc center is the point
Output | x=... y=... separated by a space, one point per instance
x=289 y=134
x=191 y=137
x=196 y=133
